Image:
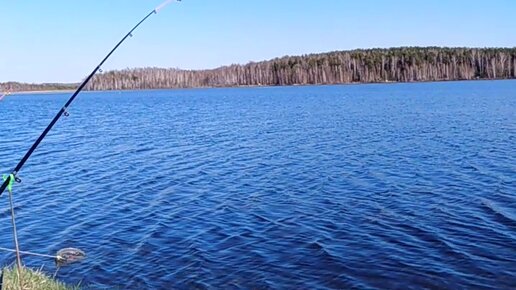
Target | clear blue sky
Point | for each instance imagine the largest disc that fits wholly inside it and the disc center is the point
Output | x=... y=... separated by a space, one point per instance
x=62 y=40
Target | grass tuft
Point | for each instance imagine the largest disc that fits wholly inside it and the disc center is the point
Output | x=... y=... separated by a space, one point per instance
x=32 y=280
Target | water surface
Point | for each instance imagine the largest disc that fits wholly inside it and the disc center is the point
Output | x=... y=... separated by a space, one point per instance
x=398 y=186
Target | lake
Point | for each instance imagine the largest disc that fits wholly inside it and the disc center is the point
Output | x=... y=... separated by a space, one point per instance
x=381 y=186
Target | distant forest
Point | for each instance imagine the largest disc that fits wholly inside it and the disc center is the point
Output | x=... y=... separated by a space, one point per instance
x=21 y=87
x=404 y=64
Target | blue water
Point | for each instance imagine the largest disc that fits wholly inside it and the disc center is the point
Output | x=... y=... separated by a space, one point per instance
x=396 y=186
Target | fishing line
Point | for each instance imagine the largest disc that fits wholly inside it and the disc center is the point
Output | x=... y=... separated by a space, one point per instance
x=62 y=257
x=28 y=253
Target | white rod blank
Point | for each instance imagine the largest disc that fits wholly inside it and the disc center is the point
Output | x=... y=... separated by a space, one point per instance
x=163 y=5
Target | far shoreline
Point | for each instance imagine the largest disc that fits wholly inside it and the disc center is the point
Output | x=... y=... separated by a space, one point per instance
x=41 y=92
x=48 y=92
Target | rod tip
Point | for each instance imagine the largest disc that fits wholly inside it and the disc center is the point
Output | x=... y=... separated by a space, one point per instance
x=163 y=5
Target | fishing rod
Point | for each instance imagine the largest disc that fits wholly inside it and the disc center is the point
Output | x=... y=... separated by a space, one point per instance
x=8 y=180
x=4 y=95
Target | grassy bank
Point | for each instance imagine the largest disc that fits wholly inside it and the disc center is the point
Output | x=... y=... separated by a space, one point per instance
x=32 y=280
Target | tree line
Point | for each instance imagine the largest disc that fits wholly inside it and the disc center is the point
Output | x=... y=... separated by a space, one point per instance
x=404 y=64
x=24 y=87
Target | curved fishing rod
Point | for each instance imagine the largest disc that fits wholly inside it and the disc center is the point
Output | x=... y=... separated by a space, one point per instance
x=4 y=95
x=8 y=180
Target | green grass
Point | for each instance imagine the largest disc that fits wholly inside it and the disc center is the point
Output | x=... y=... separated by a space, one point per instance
x=32 y=280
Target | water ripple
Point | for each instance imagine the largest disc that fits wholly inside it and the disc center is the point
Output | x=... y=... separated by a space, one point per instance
x=406 y=186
